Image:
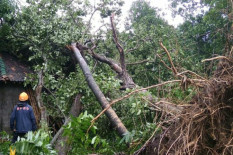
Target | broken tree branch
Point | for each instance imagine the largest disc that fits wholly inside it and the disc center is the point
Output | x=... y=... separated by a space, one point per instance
x=118 y=45
x=185 y=80
x=125 y=77
x=58 y=139
x=169 y=57
x=60 y=131
x=166 y=106
x=115 y=39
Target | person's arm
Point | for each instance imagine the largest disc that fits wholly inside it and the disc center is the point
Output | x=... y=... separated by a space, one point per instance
x=12 y=119
x=33 y=119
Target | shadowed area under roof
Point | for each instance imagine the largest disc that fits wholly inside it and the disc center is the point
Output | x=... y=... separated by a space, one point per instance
x=12 y=69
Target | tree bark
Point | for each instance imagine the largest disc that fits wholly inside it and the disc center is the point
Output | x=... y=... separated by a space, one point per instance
x=114 y=66
x=110 y=113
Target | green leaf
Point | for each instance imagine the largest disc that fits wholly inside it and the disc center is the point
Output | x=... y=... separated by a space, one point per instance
x=139 y=112
x=93 y=140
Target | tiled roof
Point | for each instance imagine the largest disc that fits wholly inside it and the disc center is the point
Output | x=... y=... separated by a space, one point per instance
x=11 y=69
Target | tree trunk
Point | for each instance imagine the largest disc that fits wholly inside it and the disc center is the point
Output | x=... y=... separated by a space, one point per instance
x=58 y=138
x=110 y=113
x=39 y=98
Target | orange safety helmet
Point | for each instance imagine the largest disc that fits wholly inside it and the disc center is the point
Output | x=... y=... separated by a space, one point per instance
x=23 y=96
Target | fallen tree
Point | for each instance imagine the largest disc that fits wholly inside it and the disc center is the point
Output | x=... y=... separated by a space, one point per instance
x=110 y=113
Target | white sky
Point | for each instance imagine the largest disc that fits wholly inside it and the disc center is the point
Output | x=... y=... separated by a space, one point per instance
x=165 y=13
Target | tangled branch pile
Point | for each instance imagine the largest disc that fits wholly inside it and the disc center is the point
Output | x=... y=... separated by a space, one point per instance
x=205 y=126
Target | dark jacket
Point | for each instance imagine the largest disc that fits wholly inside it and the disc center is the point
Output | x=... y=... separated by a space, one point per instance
x=24 y=117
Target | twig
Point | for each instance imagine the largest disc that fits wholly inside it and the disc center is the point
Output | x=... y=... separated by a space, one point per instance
x=55 y=99
x=215 y=58
x=188 y=71
x=89 y=22
x=136 y=46
x=173 y=143
x=139 y=62
x=137 y=152
x=164 y=62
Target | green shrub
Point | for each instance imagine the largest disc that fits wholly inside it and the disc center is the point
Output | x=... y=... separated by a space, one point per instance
x=5 y=142
x=37 y=143
x=82 y=137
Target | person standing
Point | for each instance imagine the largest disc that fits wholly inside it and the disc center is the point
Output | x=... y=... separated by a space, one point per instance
x=22 y=118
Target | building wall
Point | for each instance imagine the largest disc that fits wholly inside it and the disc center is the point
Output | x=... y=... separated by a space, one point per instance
x=9 y=97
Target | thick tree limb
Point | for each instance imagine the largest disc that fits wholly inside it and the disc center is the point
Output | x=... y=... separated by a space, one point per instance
x=123 y=76
x=126 y=78
x=76 y=106
x=110 y=113
x=166 y=106
x=115 y=39
x=114 y=66
x=118 y=45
